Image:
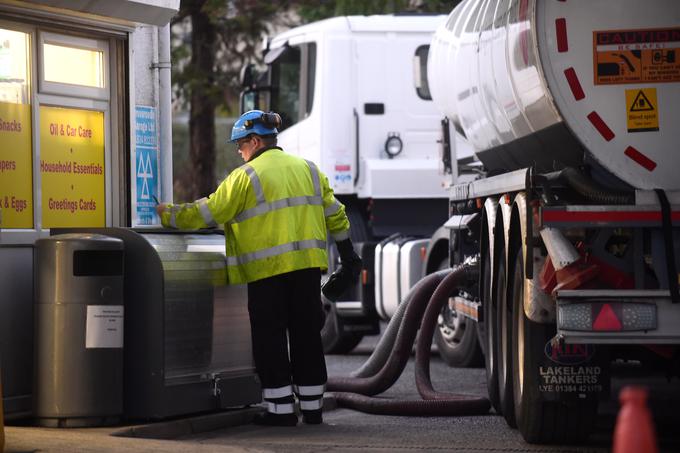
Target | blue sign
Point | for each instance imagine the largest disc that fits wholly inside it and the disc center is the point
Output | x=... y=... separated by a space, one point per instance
x=146 y=165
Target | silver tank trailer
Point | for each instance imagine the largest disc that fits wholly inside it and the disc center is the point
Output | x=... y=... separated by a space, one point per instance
x=554 y=83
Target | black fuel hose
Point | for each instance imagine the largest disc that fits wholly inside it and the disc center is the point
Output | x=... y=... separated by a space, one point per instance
x=427 y=326
x=422 y=408
x=436 y=404
x=401 y=350
x=382 y=350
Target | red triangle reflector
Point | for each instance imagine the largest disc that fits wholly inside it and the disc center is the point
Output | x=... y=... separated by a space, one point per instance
x=607 y=320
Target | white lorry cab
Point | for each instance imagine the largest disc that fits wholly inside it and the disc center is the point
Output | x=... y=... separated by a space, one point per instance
x=353 y=96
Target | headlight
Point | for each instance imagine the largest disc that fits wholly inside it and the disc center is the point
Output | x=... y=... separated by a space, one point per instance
x=393 y=145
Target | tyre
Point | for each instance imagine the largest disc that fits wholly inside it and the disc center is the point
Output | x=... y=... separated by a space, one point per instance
x=456 y=340
x=504 y=342
x=334 y=340
x=539 y=420
x=456 y=337
x=489 y=332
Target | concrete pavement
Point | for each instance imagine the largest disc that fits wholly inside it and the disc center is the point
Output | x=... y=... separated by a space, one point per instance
x=151 y=437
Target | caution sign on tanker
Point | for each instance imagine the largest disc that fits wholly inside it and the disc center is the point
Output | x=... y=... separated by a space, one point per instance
x=72 y=167
x=636 y=56
x=16 y=173
x=642 y=109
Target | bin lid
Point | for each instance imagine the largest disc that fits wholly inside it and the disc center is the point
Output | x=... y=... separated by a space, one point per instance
x=81 y=241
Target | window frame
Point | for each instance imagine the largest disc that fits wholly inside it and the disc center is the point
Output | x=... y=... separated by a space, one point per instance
x=61 y=95
x=68 y=89
x=275 y=84
x=422 y=85
x=306 y=84
x=307 y=78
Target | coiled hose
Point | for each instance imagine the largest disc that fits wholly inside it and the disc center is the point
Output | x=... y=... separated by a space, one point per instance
x=382 y=350
x=401 y=350
x=434 y=404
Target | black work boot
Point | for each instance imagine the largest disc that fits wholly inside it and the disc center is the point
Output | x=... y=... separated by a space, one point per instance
x=270 y=419
x=312 y=417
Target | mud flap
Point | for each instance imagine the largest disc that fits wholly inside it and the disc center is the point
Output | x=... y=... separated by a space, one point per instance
x=569 y=372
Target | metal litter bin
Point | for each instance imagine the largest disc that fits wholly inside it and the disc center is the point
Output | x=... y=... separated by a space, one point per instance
x=78 y=363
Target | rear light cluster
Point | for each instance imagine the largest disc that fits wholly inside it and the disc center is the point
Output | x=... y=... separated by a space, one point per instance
x=607 y=316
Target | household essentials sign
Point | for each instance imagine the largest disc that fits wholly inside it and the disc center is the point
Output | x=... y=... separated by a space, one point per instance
x=16 y=174
x=72 y=167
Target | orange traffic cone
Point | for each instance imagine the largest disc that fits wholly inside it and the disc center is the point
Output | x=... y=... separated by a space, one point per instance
x=634 y=432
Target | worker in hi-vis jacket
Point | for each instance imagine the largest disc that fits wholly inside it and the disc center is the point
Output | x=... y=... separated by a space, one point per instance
x=277 y=210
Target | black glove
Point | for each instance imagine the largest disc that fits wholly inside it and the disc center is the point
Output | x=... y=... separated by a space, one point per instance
x=345 y=275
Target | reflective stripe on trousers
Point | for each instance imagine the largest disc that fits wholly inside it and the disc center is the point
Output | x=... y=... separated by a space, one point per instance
x=310 y=396
x=286 y=408
x=279 y=400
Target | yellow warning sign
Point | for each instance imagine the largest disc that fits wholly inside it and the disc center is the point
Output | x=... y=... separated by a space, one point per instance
x=642 y=110
x=636 y=56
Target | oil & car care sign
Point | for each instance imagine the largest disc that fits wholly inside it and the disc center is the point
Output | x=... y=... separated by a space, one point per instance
x=16 y=173
x=72 y=167
x=636 y=56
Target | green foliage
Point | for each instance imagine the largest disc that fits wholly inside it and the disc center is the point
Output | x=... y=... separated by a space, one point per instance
x=313 y=10
x=206 y=64
x=226 y=156
x=239 y=26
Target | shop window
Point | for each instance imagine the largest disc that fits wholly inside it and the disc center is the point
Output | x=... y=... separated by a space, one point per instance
x=14 y=68
x=87 y=69
x=73 y=66
x=16 y=163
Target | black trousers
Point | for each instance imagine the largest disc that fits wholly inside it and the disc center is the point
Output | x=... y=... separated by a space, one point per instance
x=286 y=315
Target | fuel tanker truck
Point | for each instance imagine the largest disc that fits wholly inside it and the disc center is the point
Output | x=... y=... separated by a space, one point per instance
x=573 y=108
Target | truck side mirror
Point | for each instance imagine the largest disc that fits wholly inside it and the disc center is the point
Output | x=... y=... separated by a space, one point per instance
x=248 y=101
x=246 y=76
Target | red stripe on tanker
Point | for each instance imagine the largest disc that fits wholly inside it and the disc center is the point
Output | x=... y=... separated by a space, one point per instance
x=640 y=158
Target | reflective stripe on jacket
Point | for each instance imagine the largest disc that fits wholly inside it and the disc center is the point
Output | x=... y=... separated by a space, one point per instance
x=276 y=211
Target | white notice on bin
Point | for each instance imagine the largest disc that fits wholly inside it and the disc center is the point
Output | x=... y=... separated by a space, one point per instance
x=104 y=328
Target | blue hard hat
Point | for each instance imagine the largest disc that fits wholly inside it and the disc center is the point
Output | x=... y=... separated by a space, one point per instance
x=255 y=122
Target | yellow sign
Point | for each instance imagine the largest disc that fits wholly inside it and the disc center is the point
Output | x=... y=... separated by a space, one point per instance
x=72 y=167
x=16 y=172
x=642 y=111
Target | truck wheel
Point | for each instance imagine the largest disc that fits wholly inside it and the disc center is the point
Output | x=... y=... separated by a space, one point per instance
x=456 y=340
x=333 y=339
x=504 y=342
x=456 y=337
x=538 y=420
x=489 y=331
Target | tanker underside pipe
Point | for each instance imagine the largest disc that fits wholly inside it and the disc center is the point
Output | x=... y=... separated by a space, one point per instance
x=433 y=403
x=590 y=189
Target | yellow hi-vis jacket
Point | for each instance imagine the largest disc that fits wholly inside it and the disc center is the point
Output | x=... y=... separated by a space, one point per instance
x=276 y=210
